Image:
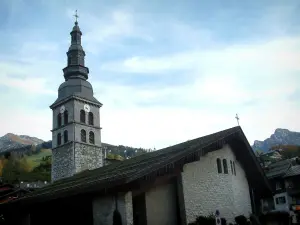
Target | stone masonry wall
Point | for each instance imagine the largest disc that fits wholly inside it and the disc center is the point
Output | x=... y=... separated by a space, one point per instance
x=62 y=162
x=87 y=157
x=205 y=190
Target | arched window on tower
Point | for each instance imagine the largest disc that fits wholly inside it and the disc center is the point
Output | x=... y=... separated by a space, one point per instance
x=225 y=167
x=83 y=135
x=92 y=137
x=91 y=118
x=66 y=136
x=58 y=139
x=59 y=120
x=82 y=116
x=66 y=117
x=219 y=165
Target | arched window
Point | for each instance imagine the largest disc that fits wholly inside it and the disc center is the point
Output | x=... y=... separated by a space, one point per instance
x=82 y=116
x=219 y=165
x=231 y=166
x=58 y=139
x=83 y=135
x=225 y=167
x=91 y=118
x=92 y=137
x=59 y=120
x=65 y=136
x=234 y=168
x=66 y=117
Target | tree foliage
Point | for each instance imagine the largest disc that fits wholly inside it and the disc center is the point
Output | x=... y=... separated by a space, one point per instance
x=27 y=163
x=15 y=169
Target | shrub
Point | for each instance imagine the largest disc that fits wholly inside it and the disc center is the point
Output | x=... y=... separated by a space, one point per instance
x=281 y=217
x=223 y=221
x=204 y=220
x=241 y=220
x=254 y=220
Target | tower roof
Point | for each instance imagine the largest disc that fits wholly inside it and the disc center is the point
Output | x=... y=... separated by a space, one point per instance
x=75 y=73
x=76 y=66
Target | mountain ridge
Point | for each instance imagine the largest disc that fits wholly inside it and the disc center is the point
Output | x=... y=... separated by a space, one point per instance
x=281 y=136
x=25 y=144
x=11 y=141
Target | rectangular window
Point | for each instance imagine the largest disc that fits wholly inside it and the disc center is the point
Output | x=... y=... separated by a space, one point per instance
x=225 y=167
x=280 y=200
x=234 y=168
x=219 y=165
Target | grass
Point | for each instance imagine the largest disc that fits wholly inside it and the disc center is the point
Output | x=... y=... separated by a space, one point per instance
x=35 y=159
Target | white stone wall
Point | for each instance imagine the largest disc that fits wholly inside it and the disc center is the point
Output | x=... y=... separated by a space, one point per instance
x=285 y=206
x=205 y=190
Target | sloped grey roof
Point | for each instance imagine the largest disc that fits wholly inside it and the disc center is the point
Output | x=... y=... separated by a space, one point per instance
x=155 y=164
x=293 y=171
x=279 y=168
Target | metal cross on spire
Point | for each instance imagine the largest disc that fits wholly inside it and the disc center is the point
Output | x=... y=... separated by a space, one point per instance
x=237 y=119
x=76 y=16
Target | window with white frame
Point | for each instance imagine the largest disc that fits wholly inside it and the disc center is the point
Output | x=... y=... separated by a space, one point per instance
x=280 y=200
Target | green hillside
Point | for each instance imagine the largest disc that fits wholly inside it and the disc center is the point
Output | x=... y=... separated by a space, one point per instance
x=35 y=159
x=34 y=163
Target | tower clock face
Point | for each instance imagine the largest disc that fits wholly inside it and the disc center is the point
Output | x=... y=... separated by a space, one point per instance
x=86 y=108
x=62 y=109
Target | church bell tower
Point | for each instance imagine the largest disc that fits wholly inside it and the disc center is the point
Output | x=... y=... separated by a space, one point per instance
x=76 y=137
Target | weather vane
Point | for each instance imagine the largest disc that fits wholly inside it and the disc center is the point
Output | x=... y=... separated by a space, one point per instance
x=237 y=119
x=76 y=16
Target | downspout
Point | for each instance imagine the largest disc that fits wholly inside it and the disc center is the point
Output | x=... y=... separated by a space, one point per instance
x=74 y=137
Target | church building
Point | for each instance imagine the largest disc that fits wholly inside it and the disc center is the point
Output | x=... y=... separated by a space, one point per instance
x=171 y=186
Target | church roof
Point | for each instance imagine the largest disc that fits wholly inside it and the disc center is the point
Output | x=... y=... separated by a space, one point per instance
x=157 y=163
x=293 y=171
x=278 y=169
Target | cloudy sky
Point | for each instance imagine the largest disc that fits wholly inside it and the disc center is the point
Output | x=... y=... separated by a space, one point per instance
x=165 y=71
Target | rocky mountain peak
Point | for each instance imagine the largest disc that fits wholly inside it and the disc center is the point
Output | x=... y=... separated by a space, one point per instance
x=280 y=137
x=11 y=141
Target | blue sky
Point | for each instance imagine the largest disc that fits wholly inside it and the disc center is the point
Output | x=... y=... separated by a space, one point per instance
x=165 y=71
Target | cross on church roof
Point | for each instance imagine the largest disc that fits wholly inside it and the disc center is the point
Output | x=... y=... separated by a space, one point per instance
x=237 y=119
x=76 y=16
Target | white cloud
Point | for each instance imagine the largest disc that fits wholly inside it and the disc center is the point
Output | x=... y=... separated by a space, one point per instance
x=278 y=54
x=29 y=76
x=28 y=121
x=108 y=28
x=235 y=74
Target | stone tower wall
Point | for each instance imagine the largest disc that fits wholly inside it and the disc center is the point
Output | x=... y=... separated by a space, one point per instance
x=62 y=162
